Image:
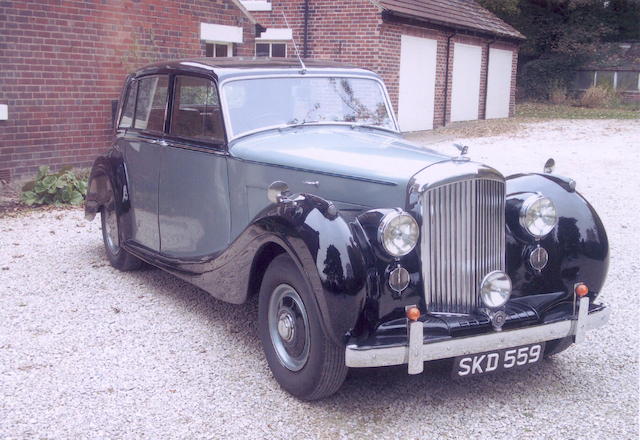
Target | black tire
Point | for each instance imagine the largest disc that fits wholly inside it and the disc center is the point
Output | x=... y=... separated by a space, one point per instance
x=117 y=256
x=557 y=346
x=323 y=371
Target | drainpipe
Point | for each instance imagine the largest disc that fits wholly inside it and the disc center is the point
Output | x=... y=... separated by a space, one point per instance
x=486 y=77
x=446 y=79
x=305 y=50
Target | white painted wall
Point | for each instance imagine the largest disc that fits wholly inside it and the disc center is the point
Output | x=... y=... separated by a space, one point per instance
x=417 y=83
x=465 y=82
x=499 y=83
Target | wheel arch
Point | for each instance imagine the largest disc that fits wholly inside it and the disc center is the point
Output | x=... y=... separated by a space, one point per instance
x=99 y=189
x=261 y=260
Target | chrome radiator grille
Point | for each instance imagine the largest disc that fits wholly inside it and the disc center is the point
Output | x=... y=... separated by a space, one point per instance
x=463 y=239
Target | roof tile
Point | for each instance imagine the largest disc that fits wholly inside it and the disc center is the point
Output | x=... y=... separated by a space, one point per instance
x=464 y=14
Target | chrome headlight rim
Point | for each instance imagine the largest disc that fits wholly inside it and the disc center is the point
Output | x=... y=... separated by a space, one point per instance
x=528 y=204
x=492 y=277
x=386 y=222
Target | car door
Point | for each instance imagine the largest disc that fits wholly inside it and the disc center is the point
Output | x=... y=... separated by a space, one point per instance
x=194 y=213
x=141 y=146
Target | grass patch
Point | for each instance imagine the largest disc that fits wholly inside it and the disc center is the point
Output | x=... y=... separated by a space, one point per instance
x=539 y=110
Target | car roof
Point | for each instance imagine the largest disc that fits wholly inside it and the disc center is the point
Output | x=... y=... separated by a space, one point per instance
x=226 y=68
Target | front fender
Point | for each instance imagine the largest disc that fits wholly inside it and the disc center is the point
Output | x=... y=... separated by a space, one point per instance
x=324 y=247
x=578 y=247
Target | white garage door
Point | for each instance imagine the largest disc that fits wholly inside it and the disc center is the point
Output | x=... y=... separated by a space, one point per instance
x=465 y=82
x=417 y=83
x=499 y=83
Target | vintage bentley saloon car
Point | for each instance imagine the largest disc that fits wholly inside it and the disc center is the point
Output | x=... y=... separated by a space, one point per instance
x=293 y=183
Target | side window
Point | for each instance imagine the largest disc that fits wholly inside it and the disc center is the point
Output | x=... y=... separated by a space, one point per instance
x=196 y=110
x=152 y=100
x=129 y=105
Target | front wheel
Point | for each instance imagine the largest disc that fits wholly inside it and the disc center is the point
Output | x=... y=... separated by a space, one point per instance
x=303 y=360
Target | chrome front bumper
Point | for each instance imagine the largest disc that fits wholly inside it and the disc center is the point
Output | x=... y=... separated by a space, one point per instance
x=417 y=352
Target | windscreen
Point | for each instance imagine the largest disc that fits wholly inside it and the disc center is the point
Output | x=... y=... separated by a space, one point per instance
x=255 y=104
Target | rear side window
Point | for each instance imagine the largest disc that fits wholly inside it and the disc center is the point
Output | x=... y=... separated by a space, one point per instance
x=151 y=104
x=196 y=110
x=129 y=105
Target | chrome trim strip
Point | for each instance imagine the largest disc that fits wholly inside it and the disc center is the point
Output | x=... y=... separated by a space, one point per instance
x=416 y=364
x=384 y=356
x=581 y=323
x=225 y=113
x=450 y=171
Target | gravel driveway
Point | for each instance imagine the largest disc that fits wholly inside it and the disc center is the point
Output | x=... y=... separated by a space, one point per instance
x=87 y=352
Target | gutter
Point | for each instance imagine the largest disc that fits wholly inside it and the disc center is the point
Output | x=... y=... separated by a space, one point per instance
x=305 y=50
x=446 y=79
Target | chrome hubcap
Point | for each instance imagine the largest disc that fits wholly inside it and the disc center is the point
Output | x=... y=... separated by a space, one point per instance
x=286 y=327
x=289 y=327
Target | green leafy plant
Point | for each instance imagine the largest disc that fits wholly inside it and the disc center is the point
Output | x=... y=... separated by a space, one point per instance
x=63 y=187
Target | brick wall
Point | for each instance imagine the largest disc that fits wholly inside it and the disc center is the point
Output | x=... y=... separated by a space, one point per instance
x=64 y=61
x=338 y=30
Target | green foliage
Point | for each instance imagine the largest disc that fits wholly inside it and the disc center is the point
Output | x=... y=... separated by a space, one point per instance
x=59 y=188
x=563 y=35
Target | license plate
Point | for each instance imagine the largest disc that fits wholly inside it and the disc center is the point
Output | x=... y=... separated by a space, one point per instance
x=498 y=360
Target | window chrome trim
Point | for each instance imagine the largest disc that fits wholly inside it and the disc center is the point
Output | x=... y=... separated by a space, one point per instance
x=225 y=111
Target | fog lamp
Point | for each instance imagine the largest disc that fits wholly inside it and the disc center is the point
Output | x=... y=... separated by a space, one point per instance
x=495 y=289
x=399 y=279
x=539 y=258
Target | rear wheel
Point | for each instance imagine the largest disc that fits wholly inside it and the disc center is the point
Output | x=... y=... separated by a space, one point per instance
x=304 y=361
x=118 y=257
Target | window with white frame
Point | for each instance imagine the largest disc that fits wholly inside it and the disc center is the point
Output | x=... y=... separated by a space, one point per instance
x=271 y=49
x=218 y=49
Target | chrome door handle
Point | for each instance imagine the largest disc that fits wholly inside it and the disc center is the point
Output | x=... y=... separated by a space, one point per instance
x=312 y=183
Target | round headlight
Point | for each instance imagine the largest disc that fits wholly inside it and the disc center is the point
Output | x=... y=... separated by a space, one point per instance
x=398 y=232
x=538 y=216
x=495 y=289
